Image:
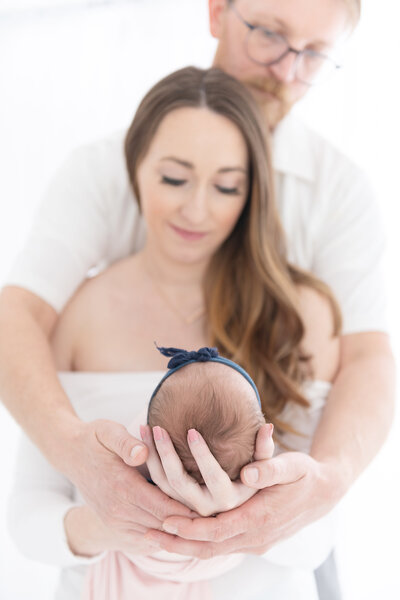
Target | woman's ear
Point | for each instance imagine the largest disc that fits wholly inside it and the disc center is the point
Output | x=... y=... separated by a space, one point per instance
x=217 y=10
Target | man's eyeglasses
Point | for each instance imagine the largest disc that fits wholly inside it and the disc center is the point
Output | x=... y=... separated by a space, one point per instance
x=266 y=47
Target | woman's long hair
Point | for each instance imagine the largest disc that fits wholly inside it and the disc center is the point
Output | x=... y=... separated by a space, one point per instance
x=249 y=287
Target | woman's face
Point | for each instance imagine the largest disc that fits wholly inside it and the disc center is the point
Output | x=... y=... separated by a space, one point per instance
x=193 y=184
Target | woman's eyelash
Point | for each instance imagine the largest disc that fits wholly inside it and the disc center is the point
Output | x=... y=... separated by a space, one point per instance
x=224 y=190
x=171 y=181
x=178 y=182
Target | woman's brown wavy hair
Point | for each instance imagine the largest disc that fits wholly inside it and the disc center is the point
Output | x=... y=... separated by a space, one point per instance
x=249 y=287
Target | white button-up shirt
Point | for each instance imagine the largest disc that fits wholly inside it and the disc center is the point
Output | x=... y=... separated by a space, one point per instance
x=89 y=218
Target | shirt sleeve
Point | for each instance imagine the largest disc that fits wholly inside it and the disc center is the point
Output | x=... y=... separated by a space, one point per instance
x=309 y=547
x=349 y=250
x=70 y=232
x=38 y=504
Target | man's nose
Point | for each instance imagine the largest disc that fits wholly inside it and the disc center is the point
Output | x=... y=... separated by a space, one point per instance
x=285 y=69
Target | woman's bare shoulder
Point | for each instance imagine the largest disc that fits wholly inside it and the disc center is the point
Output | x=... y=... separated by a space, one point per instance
x=319 y=338
x=92 y=304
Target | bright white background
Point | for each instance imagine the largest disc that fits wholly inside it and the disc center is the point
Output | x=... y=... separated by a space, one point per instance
x=69 y=75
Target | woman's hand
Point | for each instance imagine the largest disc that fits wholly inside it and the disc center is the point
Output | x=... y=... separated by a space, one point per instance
x=219 y=493
x=88 y=536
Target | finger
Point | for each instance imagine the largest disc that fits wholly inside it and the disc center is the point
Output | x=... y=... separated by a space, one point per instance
x=159 y=504
x=285 y=468
x=154 y=464
x=198 y=549
x=171 y=543
x=241 y=493
x=178 y=479
x=217 y=481
x=264 y=442
x=210 y=529
x=116 y=438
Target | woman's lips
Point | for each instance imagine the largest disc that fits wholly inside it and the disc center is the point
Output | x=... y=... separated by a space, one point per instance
x=187 y=234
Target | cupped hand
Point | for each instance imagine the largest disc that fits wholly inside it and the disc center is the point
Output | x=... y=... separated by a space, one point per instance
x=88 y=536
x=100 y=464
x=297 y=490
x=218 y=493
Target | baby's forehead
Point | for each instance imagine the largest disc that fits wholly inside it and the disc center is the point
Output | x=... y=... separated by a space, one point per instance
x=212 y=375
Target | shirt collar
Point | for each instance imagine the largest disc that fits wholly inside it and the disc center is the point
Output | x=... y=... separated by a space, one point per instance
x=292 y=149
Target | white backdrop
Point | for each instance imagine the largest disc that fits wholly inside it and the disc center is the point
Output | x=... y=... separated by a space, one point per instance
x=69 y=75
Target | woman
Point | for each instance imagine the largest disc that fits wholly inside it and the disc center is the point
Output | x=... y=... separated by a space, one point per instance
x=213 y=271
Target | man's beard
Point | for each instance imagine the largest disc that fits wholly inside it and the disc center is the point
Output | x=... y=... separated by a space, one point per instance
x=276 y=108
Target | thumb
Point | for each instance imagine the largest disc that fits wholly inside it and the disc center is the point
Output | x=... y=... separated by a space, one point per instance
x=284 y=468
x=264 y=443
x=116 y=438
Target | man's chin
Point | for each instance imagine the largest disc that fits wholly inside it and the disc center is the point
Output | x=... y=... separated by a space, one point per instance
x=273 y=108
x=274 y=111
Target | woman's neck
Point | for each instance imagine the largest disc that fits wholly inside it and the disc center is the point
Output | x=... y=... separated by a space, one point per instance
x=170 y=273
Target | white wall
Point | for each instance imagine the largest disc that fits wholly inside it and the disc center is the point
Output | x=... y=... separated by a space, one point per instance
x=69 y=76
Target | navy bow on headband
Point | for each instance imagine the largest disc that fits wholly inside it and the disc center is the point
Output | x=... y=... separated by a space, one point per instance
x=180 y=358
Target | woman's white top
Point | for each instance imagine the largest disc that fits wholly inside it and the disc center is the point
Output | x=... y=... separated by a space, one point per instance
x=41 y=497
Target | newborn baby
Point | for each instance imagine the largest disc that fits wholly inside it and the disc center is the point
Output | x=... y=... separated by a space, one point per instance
x=214 y=396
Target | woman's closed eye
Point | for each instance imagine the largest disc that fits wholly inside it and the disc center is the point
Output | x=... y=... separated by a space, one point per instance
x=172 y=181
x=233 y=191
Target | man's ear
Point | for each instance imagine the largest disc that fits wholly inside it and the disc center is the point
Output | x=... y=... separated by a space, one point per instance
x=216 y=9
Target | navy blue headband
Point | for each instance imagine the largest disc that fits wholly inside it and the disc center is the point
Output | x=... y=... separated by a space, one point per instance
x=181 y=358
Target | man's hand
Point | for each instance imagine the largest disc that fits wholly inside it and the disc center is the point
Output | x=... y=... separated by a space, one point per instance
x=88 y=536
x=297 y=492
x=120 y=495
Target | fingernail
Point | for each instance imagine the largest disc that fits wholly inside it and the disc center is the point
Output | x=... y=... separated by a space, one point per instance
x=170 y=528
x=193 y=436
x=271 y=430
x=157 y=433
x=143 y=433
x=251 y=475
x=135 y=451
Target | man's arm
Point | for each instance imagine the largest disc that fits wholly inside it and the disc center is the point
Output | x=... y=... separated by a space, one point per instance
x=30 y=389
x=359 y=409
x=29 y=386
x=49 y=524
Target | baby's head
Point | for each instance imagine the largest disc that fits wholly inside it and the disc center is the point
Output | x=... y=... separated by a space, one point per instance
x=217 y=399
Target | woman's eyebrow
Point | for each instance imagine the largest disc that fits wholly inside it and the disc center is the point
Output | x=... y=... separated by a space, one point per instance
x=184 y=163
x=189 y=165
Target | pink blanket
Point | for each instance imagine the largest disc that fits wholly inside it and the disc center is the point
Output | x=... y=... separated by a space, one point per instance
x=118 y=577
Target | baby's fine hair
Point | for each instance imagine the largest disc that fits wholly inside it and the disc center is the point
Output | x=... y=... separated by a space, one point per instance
x=216 y=401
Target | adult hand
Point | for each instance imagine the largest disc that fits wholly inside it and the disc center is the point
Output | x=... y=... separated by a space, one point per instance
x=88 y=536
x=100 y=465
x=297 y=490
x=219 y=493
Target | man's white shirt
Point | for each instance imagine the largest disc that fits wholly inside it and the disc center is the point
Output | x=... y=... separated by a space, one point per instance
x=89 y=218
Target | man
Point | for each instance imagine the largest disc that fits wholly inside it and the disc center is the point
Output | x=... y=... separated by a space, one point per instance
x=277 y=49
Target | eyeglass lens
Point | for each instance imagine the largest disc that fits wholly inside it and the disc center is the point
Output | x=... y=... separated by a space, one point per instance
x=267 y=47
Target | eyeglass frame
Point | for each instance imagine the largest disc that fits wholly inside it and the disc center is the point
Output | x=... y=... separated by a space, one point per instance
x=288 y=50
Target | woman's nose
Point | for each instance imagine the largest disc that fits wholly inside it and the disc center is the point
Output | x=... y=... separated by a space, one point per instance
x=195 y=208
x=285 y=69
